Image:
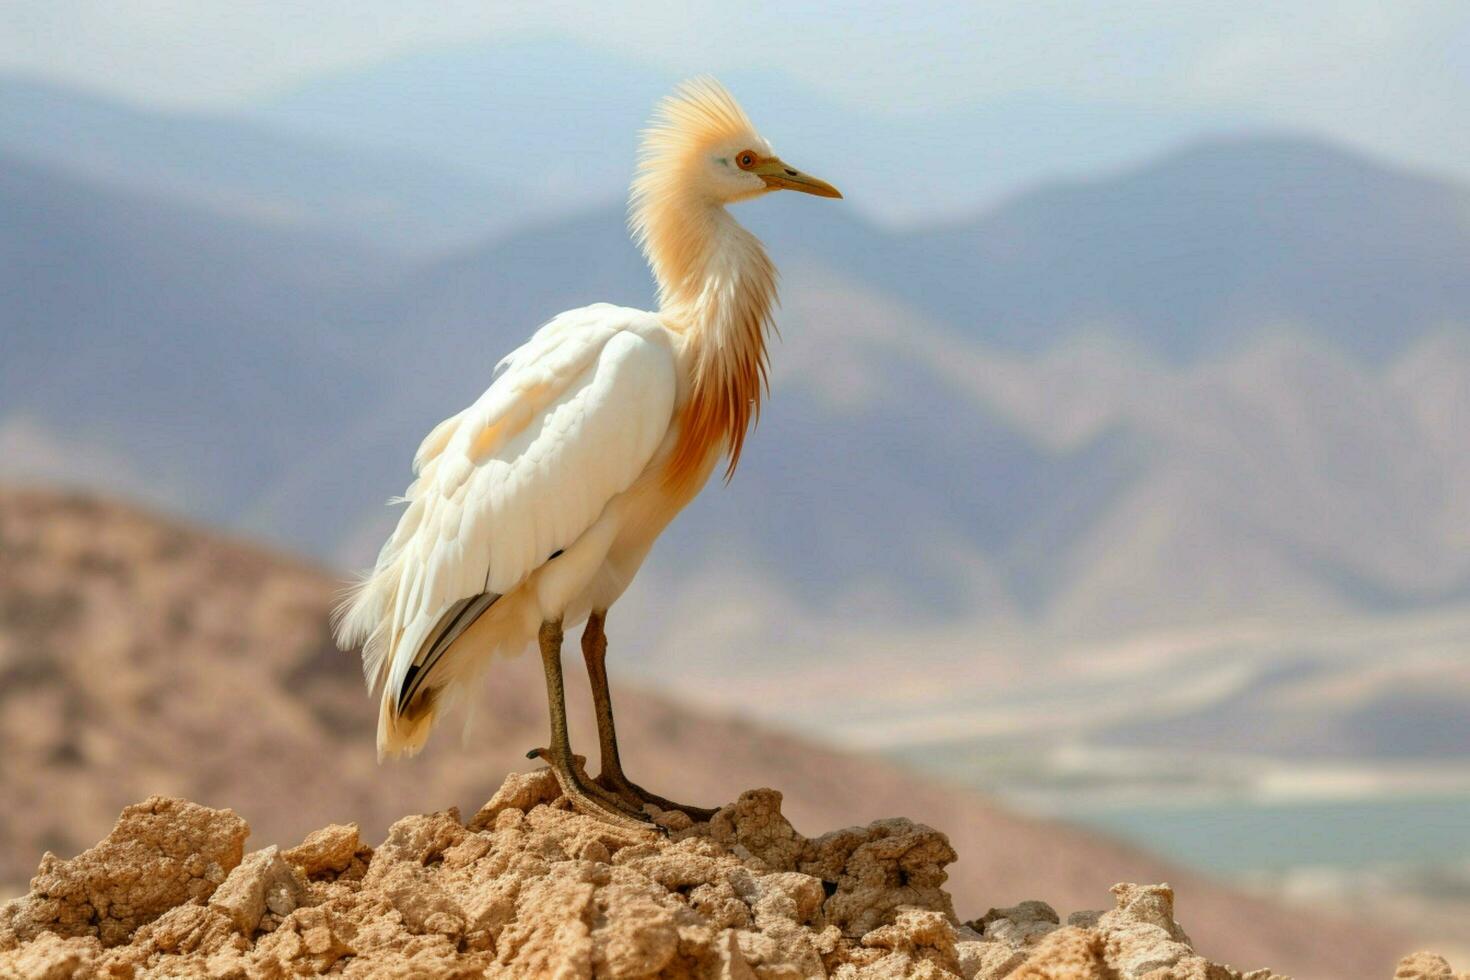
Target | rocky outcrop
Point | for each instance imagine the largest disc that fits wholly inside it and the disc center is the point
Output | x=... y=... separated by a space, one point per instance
x=527 y=888
x=162 y=854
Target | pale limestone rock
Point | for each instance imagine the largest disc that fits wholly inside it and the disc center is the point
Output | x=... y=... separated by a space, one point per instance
x=1426 y=966
x=1019 y=925
x=421 y=900
x=753 y=826
x=260 y=883
x=532 y=889
x=876 y=869
x=731 y=963
x=987 y=960
x=309 y=942
x=161 y=853
x=328 y=852
x=421 y=840
x=51 y=957
x=1142 y=936
x=1137 y=940
x=1145 y=904
x=189 y=928
x=918 y=941
x=521 y=791
x=1068 y=953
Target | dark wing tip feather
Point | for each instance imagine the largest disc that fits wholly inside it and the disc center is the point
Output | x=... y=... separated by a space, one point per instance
x=456 y=619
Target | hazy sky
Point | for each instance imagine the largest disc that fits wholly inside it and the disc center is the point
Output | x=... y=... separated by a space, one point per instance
x=1393 y=74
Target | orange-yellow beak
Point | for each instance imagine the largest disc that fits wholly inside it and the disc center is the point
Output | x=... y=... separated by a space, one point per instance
x=780 y=176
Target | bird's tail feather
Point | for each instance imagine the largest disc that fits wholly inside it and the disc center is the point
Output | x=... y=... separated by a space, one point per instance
x=404 y=734
x=419 y=673
x=438 y=666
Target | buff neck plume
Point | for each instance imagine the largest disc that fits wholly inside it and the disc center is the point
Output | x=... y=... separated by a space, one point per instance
x=715 y=282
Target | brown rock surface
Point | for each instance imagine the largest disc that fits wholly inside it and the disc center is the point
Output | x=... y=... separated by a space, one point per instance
x=162 y=853
x=531 y=889
x=141 y=657
x=1427 y=966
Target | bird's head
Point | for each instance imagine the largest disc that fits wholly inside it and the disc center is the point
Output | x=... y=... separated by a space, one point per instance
x=701 y=146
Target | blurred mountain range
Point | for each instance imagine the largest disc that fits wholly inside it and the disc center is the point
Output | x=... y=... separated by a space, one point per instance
x=267 y=175
x=1213 y=400
x=560 y=120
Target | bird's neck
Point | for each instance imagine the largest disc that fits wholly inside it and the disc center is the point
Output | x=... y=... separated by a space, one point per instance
x=718 y=287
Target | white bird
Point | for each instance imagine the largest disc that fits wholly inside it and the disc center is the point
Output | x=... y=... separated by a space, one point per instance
x=534 y=507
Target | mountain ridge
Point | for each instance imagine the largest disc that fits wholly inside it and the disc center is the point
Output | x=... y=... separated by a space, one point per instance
x=240 y=168
x=576 y=109
x=139 y=323
x=1096 y=492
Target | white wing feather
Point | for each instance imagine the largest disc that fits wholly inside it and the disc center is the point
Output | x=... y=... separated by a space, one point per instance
x=572 y=419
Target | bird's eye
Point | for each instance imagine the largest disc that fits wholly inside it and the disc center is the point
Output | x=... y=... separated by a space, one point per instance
x=746 y=159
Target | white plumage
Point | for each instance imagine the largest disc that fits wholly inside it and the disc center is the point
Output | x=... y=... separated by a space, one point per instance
x=571 y=421
x=535 y=506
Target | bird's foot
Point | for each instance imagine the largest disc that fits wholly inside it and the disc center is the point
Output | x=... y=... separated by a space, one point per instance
x=590 y=799
x=637 y=796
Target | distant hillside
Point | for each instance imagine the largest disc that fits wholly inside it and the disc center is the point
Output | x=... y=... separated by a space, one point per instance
x=883 y=463
x=393 y=198
x=1188 y=258
x=1037 y=464
x=197 y=349
x=139 y=656
x=572 y=113
x=1210 y=246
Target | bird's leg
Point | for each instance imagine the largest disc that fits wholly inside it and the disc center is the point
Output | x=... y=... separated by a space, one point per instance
x=594 y=652
x=584 y=796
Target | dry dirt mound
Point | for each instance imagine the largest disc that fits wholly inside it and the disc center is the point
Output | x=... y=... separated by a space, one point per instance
x=527 y=888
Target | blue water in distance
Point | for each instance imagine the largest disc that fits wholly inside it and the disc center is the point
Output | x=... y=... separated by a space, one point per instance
x=1234 y=837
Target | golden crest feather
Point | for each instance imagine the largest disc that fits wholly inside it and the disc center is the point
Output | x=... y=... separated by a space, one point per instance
x=732 y=312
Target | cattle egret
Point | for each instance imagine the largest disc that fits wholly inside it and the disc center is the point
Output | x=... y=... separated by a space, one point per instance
x=534 y=508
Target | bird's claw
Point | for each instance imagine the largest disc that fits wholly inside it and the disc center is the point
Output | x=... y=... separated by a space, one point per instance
x=589 y=798
x=637 y=796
